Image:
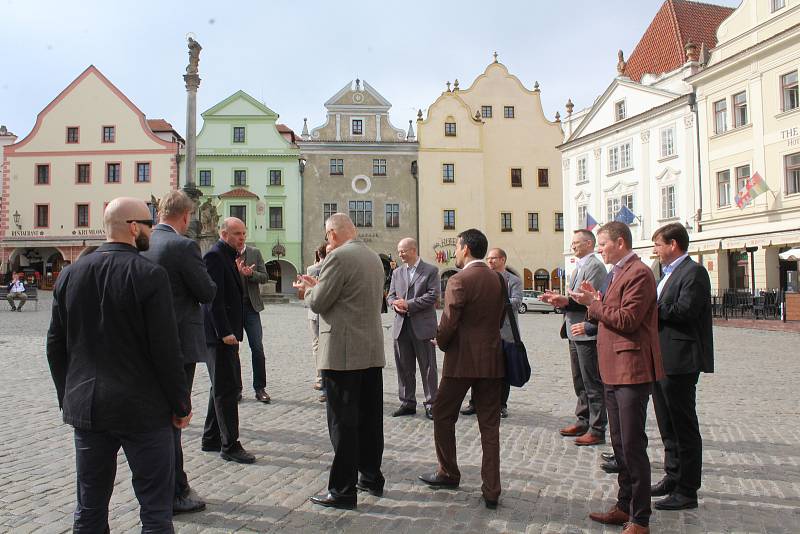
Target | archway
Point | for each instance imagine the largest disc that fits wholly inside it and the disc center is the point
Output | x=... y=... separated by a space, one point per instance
x=445 y=276
x=283 y=273
x=389 y=265
x=555 y=280
x=37 y=264
x=527 y=280
x=541 y=280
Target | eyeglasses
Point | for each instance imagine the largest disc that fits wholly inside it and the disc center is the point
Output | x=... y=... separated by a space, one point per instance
x=146 y=222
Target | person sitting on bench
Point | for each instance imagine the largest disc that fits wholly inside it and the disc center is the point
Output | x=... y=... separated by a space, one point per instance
x=16 y=290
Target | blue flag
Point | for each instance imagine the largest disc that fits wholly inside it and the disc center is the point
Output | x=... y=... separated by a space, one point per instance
x=590 y=222
x=625 y=215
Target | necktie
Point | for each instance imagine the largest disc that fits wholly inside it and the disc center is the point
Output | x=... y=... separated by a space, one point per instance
x=410 y=290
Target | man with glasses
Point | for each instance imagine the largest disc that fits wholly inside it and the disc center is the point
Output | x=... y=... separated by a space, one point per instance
x=496 y=260
x=115 y=359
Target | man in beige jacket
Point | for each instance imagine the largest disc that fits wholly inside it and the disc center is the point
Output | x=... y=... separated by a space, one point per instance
x=347 y=296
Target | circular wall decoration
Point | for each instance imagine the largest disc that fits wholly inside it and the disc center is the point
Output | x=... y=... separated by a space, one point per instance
x=361 y=184
x=358 y=98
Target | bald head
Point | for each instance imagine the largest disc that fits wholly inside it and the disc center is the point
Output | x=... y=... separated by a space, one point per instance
x=339 y=229
x=407 y=250
x=115 y=220
x=233 y=232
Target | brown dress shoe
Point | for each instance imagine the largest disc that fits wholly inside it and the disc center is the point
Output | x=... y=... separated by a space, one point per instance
x=633 y=528
x=573 y=430
x=614 y=516
x=589 y=439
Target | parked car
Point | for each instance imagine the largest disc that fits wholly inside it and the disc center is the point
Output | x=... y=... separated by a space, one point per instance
x=531 y=302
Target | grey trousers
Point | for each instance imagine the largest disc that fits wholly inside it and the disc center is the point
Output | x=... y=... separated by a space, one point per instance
x=590 y=409
x=408 y=352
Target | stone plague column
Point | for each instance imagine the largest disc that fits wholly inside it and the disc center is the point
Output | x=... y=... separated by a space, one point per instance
x=192 y=79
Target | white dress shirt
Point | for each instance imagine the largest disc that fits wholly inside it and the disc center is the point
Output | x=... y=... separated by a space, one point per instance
x=667 y=269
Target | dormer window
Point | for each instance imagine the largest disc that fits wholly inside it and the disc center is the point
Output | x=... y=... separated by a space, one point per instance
x=620 y=112
x=238 y=134
x=777 y=4
x=450 y=129
x=357 y=126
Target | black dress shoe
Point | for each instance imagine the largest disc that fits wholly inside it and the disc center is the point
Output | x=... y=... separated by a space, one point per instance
x=262 y=396
x=436 y=481
x=185 y=505
x=469 y=409
x=610 y=467
x=428 y=412
x=372 y=490
x=503 y=412
x=239 y=455
x=676 y=501
x=491 y=505
x=404 y=410
x=607 y=456
x=210 y=447
x=664 y=487
x=345 y=503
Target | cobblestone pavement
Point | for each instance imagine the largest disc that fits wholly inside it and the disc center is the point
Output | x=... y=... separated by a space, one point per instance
x=748 y=410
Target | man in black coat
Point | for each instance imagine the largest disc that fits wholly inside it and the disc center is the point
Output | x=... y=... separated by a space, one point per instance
x=115 y=358
x=224 y=324
x=190 y=285
x=687 y=348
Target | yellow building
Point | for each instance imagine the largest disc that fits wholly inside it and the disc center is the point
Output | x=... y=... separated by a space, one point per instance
x=88 y=146
x=749 y=120
x=487 y=160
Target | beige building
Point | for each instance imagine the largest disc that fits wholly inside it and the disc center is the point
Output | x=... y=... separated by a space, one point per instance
x=488 y=160
x=88 y=146
x=749 y=120
x=360 y=164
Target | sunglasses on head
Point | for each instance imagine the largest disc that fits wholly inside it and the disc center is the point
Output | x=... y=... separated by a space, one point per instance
x=146 y=222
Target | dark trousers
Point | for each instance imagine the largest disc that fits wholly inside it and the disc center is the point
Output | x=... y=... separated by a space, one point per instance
x=674 y=402
x=486 y=393
x=355 y=425
x=222 y=418
x=151 y=459
x=590 y=409
x=181 y=480
x=627 y=415
x=409 y=351
x=255 y=338
x=503 y=398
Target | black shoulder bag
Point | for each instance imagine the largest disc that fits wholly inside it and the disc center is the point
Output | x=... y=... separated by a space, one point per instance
x=518 y=369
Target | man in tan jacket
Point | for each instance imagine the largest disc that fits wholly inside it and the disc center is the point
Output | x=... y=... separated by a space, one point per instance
x=347 y=296
x=469 y=335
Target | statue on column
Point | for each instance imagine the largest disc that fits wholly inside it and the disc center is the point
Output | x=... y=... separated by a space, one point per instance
x=194 y=56
x=209 y=218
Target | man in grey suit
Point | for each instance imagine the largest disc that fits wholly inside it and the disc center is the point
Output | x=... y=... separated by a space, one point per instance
x=190 y=286
x=413 y=294
x=590 y=411
x=496 y=260
x=254 y=273
x=347 y=296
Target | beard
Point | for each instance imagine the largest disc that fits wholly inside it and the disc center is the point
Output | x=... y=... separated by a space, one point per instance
x=142 y=242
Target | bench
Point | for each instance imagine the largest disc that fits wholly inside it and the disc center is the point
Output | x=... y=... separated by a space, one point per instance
x=30 y=291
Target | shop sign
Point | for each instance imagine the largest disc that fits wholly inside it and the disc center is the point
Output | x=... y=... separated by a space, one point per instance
x=791 y=136
x=445 y=250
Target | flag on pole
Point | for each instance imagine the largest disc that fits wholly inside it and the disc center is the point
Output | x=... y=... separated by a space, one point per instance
x=625 y=215
x=590 y=222
x=754 y=186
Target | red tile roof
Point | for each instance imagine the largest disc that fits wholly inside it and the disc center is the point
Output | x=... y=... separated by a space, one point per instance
x=238 y=193
x=661 y=48
x=160 y=125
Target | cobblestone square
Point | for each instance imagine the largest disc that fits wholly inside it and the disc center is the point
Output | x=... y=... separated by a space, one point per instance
x=748 y=411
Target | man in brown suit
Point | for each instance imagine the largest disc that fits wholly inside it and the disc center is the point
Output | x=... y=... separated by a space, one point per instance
x=469 y=335
x=629 y=357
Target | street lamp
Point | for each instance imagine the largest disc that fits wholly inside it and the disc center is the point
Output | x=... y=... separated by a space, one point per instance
x=16 y=219
x=302 y=162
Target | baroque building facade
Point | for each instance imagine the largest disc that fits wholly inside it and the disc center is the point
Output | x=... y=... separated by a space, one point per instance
x=487 y=160
x=359 y=163
x=89 y=145
x=248 y=165
x=749 y=118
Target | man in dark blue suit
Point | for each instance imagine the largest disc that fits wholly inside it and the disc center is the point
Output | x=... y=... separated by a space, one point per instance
x=224 y=323
x=190 y=285
x=687 y=347
x=115 y=358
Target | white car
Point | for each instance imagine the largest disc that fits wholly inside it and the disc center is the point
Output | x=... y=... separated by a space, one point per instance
x=531 y=302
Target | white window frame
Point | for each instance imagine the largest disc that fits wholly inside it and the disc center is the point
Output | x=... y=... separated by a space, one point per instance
x=581 y=212
x=620 y=105
x=363 y=126
x=581 y=169
x=775 y=5
x=668 y=205
x=667 y=138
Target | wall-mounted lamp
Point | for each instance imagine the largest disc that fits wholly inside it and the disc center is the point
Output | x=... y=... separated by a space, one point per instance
x=302 y=163
x=16 y=219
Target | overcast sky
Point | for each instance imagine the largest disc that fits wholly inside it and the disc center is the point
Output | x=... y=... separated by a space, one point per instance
x=294 y=55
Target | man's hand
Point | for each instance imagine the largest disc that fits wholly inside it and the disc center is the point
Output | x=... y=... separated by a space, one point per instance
x=578 y=329
x=244 y=269
x=555 y=299
x=400 y=306
x=586 y=295
x=230 y=339
x=181 y=422
x=303 y=283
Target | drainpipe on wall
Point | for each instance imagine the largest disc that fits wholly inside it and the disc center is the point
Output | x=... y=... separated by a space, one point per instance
x=694 y=107
x=415 y=175
x=302 y=163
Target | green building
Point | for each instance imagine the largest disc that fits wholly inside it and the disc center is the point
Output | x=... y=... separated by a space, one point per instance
x=250 y=166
